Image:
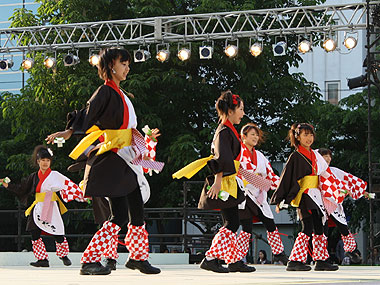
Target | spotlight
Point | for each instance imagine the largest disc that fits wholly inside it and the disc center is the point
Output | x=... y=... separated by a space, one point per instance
x=329 y=44
x=163 y=55
x=256 y=49
x=205 y=52
x=70 y=60
x=50 y=62
x=356 y=82
x=94 y=59
x=27 y=63
x=141 y=55
x=184 y=54
x=5 y=64
x=279 y=48
x=304 y=46
x=231 y=51
x=350 y=42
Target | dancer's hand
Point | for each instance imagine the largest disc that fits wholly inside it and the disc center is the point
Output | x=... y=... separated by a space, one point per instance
x=155 y=133
x=366 y=195
x=3 y=183
x=278 y=208
x=64 y=134
x=214 y=190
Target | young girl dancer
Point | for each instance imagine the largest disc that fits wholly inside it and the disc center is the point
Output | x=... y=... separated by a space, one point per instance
x=357 y=190
x=44 y=215
x=114 y=168
x=256 y=204
x=300 y=187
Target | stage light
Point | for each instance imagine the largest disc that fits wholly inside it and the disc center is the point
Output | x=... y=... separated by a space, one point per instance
x=279 y=48
x=304 y=46
x=231 y=51
x=205 y=52
x=256 y=49
x=329 y=44
x=5 y=64
x=184 y=54
x=70 y=59
x=141 y=55
x=50 y=62
x=350 y=42
x=163 y=55
x=356 y=82
x=27 y=63
x=94 y=59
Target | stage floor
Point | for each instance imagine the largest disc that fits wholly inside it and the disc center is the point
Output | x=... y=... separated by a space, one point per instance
x=186 y=275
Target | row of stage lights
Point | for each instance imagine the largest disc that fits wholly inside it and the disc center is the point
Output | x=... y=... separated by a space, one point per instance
x=184 y=53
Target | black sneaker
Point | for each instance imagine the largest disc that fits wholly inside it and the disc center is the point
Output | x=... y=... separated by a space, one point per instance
x=40 y=263
x=281 y=258
x=355 y=256
x=144 y=266
x=324 y=265
x=240 y=266
x=94 y=268
x=111 y=263
x=213 y=265
x=297 y=266
x=66 y=261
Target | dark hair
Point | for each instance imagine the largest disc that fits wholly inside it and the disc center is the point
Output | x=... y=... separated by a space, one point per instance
x=227 y=101
x=40 y=152
x=325 y=151
x=264 y=253
x=296 y=130
x=246 y=128
x=107 y=58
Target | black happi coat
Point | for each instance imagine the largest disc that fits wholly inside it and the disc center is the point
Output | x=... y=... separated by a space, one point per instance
x=106 y=175
x=226 y=148
x=296 y=168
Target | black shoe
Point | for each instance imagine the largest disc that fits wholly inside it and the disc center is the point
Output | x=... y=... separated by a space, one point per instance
x=324 y=265
x=239 y=266
x=143 y=266
x=213 y=265
x=297 y=266
x=111 y=263
x=66 y=261
x=40 y=263
x=281 y=258
x=94 y=268
x=355 y=256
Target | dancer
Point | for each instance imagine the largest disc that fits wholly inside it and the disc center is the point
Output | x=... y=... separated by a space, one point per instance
x=114 y=168
x=299 y=186
x=357 y=190
x=44 y=215
x=256 y=205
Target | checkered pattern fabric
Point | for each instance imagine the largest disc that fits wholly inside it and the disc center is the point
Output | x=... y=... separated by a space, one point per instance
x=245 y=160
x=320 y=247
x=223 y=246
x=137 y=243
x=357 y=185
x=100 y=242
x=62 y=249
x=39 y=249
x=256 y=180
x=271 y=176
x=275 y=242
x=71 y=191
x=349 y=243
x=111 y=251
x=299 y=251
x=242 y=245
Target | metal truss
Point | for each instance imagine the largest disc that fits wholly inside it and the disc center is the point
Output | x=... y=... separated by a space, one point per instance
x=187 y=28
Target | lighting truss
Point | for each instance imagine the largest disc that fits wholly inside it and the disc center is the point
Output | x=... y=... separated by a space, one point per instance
x=197 y=27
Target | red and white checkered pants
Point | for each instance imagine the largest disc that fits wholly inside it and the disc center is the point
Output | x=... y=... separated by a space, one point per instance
x=299 y=251
x=320 y=247
x=62 y=249
x=39 y=249
x=223 y=246
x=111 y=251
x=100 y=242
x=137 y=243
x=275 y=242
x=242 y=245
x=349 y=243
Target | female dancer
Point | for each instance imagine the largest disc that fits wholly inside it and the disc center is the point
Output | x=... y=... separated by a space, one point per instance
x=300 y=187
x=256 y=204
x=114 y=168
x=44 y=215
x=357 y=190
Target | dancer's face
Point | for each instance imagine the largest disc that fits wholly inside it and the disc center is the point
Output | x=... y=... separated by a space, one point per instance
x=306 y=139
x=44 y=164
x=235 y=116
x=327 y=157
x=120 y=70
x=251 y=138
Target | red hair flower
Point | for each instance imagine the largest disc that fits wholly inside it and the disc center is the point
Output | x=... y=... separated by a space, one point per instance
x=234 y=99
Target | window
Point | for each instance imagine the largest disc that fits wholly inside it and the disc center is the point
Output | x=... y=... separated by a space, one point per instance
x=332 y=91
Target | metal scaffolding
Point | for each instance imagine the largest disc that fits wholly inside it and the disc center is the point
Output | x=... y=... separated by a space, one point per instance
x=187 y=28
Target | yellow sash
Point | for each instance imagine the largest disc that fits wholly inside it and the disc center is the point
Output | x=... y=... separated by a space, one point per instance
x=40 y=197
x=228 y=182
x=307 y=182
x=112 y=139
